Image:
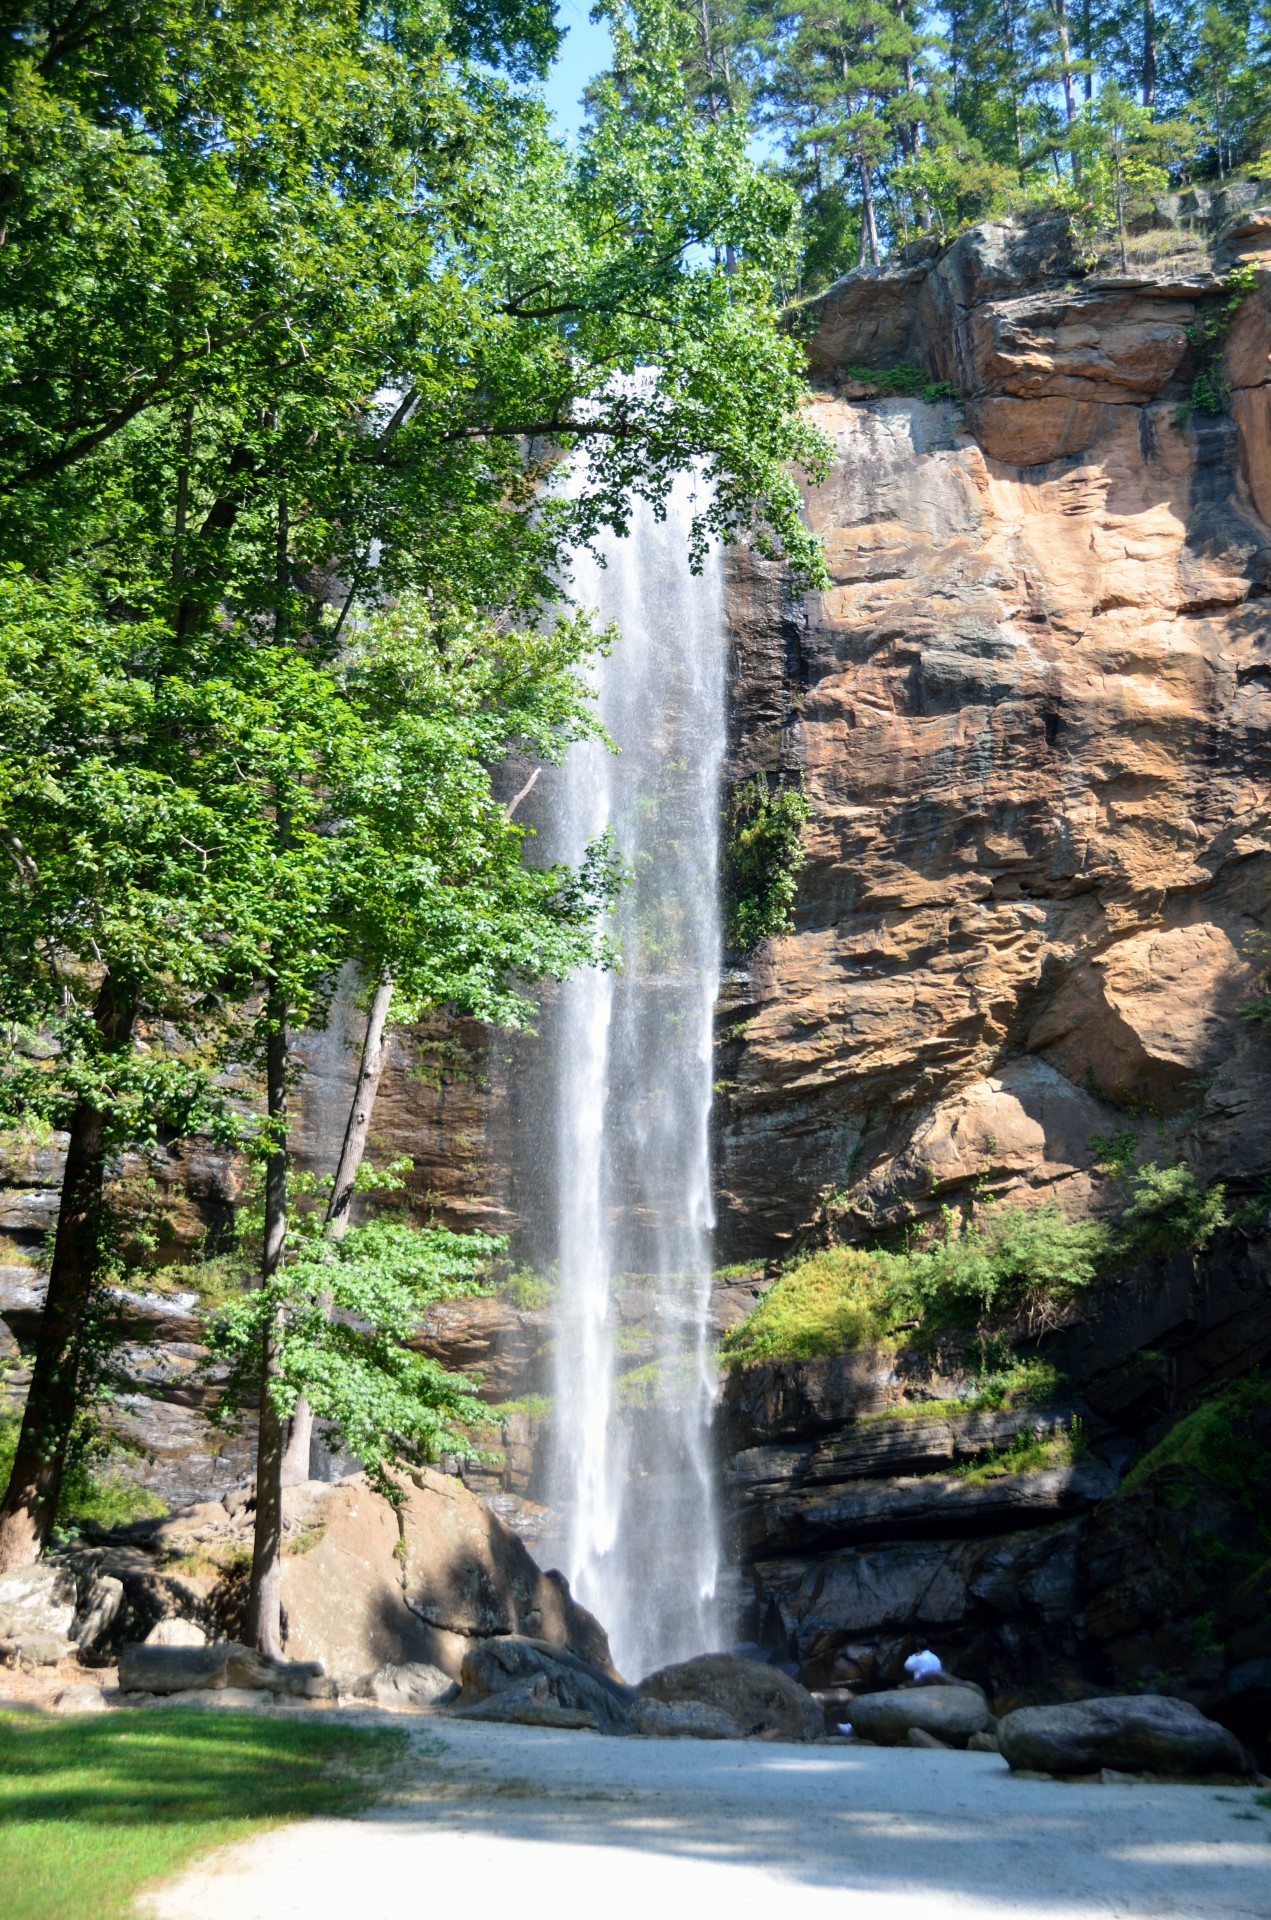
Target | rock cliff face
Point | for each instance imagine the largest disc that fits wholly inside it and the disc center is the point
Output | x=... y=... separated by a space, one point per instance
x=1032 y=718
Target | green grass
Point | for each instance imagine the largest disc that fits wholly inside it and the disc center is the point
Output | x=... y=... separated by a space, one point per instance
x=1027 y=1453
x=91 y=1811
x=1022 y=1383
x=1217 y=1442
x=535 y=1406
x=831 y=1302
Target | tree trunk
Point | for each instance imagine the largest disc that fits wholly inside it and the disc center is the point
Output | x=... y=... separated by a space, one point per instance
x=295 y=1466
x=264 y=1601
x=869 y=226
x=30 y=1504
x=1149 y=53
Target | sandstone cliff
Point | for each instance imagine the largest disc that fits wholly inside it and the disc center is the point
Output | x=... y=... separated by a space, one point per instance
x=1032 y=716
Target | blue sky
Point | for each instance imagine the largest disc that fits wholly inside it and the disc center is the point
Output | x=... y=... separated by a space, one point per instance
x=585 y=53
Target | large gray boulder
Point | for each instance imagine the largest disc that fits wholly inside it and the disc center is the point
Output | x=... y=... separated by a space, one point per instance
x=683 y=1720
x=1144 y=1734
x=500 y=1670
x=761 y=1700
x=950 y=1714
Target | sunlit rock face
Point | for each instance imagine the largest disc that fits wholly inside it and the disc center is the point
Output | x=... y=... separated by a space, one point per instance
x=1032 y=717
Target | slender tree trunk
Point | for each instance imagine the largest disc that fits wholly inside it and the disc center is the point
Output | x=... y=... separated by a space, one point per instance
x=869 y=226
x=264 y=1600
x=1149 y=53
x=30 y=1504
x=1087 y=49
x=295 y=1466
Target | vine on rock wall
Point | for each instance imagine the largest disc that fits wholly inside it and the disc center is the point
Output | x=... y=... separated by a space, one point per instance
x=1207 y=334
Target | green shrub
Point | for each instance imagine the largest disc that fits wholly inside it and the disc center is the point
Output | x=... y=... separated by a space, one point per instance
x=1007 y=1262
x=763 y=858
x=906 y=379
x=94 y=1491
x=528 y=1290
x=1170 y=1212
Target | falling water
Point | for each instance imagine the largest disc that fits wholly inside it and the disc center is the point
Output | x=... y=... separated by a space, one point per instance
x=632 y=1088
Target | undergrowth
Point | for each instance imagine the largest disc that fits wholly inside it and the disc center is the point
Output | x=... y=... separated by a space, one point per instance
x=1008 y=1261
x=1027 y=1453
x=906 y=379
x=95 y=1493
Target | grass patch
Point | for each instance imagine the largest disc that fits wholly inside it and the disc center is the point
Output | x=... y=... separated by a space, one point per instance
x=534 y=1406
x=91 y=1811
x=528 y=1291
x=833 y=1301
x=1023 y=1383
x=1217 y=1442
x=1027 y=1453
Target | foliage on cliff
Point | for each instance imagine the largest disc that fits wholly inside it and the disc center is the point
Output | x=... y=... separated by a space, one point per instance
x=762 y=859
x=1003 y=1265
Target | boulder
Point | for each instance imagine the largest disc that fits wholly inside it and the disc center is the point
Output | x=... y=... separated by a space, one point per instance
x=99 y=1611
x=1149 y=1733
x=497 y=1667
x=38 y=1649
x=38 y=1599
x=83 y=1697
x=762 y=1700
x=531 y=1702
x=683 y=1720
x=176 y=1633
x=381 y=1588
x=158 y=1669
x=949 y=1714
x=916 y=1737
x=165 y=1669
x=415 y=1684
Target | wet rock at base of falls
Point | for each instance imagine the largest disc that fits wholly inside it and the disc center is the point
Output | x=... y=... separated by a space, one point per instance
x=761 y=1699
x=949 y=1714
x=1147 y=1733
x=495 y=1684
x=683 y=1720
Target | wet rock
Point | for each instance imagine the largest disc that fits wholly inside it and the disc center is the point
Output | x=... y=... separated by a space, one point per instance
x=1149 y=1733
x=762 y=1700
x=950 y=1714
x=916 y=1737
x=683 y=1720
x=983 y=1742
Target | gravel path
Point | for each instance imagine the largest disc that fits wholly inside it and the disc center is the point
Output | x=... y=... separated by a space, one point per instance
x=570 y=1826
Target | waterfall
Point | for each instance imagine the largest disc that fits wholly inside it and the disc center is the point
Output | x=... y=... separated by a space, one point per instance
x=628 y=1139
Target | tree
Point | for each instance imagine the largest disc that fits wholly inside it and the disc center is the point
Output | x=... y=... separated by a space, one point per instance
x=1126 y=150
